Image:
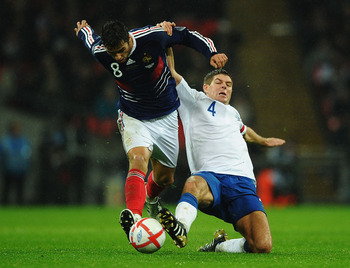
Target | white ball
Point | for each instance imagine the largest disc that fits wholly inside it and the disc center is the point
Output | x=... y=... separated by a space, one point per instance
x=147 y=235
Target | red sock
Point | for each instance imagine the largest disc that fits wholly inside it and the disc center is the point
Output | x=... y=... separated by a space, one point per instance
x=153 y=189
x=135 y=192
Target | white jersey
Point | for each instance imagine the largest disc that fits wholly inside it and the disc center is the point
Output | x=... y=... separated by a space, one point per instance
x=214 y=134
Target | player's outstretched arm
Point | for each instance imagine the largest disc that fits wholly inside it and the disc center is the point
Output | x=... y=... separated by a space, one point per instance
x=171 y=64
x=253 y=137
x=80 y=25
x=218 y=60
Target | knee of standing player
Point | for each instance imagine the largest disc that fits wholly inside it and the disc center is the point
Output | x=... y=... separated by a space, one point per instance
x=164 y=181
x=139 y=159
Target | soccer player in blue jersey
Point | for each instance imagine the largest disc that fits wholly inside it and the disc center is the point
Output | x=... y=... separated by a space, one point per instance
x=222 y=183
x=147 y=105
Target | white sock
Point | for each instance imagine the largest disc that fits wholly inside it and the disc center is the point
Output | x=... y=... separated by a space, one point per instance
x=137 y=217
x=231 y=246
x=186 y=214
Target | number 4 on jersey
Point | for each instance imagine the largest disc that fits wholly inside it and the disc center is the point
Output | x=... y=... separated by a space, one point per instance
x=211 y=108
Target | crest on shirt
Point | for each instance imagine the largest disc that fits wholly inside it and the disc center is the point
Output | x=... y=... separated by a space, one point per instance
x=147 y=59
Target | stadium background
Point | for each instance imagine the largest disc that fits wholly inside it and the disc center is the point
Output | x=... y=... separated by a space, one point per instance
x=290 y=63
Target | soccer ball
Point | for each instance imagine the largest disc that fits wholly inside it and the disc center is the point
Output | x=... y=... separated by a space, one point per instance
x=147 y=235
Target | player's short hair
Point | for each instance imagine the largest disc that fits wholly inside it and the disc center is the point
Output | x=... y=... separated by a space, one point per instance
x=210 y=76
x=114 y=33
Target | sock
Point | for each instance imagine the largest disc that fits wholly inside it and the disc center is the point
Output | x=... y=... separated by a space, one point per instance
x=186 y=210
x=135 y=192
x=153 y=189
x=232 y=246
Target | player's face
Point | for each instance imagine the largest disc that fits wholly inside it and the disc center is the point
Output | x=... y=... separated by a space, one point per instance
x=220 y=88
x=121 y=53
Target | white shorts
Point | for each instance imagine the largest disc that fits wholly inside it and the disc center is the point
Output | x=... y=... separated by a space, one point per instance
x=159 y=135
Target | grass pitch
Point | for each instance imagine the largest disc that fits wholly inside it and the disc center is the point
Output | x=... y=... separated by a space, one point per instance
x=303 y=236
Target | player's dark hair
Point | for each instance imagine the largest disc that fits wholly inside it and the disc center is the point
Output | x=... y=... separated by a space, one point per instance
x=114 y=33
x=210 y=76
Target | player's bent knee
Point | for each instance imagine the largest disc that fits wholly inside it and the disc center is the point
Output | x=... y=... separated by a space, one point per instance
x=263 y=246
x=165 y=181
x=196 y=182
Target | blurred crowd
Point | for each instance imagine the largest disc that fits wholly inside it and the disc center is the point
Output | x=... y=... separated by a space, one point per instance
x=323 y=28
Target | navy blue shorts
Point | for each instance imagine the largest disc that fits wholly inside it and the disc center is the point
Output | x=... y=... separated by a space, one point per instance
x=234 y=196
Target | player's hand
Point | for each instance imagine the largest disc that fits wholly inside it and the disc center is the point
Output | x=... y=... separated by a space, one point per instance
x=80 y=25
x=218 y=60
x=273 y=142
x=167 y=27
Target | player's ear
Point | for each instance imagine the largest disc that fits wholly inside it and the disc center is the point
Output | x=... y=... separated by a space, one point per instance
x=130 y=39
x=205 y=88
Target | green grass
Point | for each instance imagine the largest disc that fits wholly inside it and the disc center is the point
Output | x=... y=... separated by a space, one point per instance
x=304 y=236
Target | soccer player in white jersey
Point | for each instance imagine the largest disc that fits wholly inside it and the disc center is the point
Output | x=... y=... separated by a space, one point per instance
x=222 y=181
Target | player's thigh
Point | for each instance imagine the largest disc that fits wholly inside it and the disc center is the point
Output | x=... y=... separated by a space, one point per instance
x=164 y=133
x=134 y=133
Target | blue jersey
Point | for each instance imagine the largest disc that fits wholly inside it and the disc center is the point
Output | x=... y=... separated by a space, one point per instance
x=146 y=88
